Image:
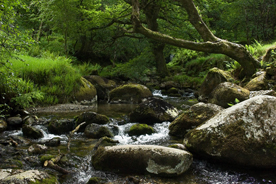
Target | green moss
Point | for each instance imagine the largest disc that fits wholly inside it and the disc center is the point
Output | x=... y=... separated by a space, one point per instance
x=51 y=180
x=43 y=158
x=86 y=92
x=140 y=129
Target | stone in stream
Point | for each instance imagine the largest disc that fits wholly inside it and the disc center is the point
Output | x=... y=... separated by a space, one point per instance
x=243 y=134
x=141 y=159
x=31 y=132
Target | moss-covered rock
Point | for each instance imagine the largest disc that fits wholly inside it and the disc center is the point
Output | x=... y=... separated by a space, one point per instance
x=140 y=129
x=141 y=159
x=129 y=93
x=258 y=83
x=196 y=115
x=96 y=131
x=31 y=132
x=37 y=149
x=61 y=126
x=214 y=77
x=45 y=157
x=102 y=85
x=14 y=122
x=242 y=134
x=96 y=180
x=226 y=93
x=153 y=110
x=87 y=92
x=3 y=125
x=89 y=118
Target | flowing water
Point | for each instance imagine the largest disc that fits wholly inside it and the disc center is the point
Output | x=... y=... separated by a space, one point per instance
x=201 y=171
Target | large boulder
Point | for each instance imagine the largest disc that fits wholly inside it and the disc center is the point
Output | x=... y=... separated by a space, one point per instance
x=243 y=134
x=214 y=77
x=102 y=85
x=61 y=126
x=153 y=110
x=258 y=83
x=14 y=122
x=196 y=115
x=31 y=132
x=226 y=93
x=96 y=131
x=89 y=118
x=141 y=159
x=87 y=92
x=129 y=93
x=8 y=176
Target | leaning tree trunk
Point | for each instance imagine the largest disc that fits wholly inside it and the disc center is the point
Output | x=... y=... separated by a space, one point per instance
x=152 y=11
x=211 y=43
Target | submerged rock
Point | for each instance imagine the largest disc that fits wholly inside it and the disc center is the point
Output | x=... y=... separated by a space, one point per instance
x=243 y=134
x=196 y=115
x=129 y=93
x=153 y=110
x=141 y=159
x=226 y=93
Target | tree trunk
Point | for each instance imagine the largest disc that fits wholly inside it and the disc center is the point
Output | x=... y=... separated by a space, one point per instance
x=211 y=43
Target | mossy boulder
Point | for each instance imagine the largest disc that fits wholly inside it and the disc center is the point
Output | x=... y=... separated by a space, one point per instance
x=96 y=131
x=26 y=177
x=129 y=93
x=243 y=134
x=226 y=93
x=196 y=115
x=140 y=129
x=102 y=85
x=214 y=77
x=258 y=83
x=153 y=110
x=86 y=92
x=31 y=132
x=61 y=126
x=89 y=118
x=3 y=125
x=142 y=159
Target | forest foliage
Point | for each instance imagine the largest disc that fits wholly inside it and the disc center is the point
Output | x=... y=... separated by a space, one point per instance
x=45 y=42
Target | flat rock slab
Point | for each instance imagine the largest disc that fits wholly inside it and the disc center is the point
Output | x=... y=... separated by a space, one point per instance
x=140 y=159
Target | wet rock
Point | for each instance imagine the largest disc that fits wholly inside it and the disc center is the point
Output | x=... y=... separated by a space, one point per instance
x=3 y=125
x=258 y=83
x=14 y=122
x=33 y=161
x=61 y=126
x=20 y=140
x=214 y=77
x=226 y=93
x=96 y=131
x=96 y=180
x=194 y=116
x=262 y=92
x=178 y=146
x=242 y=134
x=153 y=110
x=31 y=132
x=37 y=149
x=8 y=176
x=141 y=159
x=102 y=85
x=30 y=120
x=11 y=164
x=140 y=129
x=54 y=142
x=129 y=93
x=89 y=118
x=86 y=92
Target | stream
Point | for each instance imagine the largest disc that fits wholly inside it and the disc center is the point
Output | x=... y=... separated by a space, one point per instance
x=201 y=171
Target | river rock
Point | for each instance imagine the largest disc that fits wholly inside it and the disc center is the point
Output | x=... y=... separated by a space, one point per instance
x=226 y=93
x=37 y=149
x=196 y=115
x=153 y=110
x=141 y=159
x=3 y=125
x=102 y=85
x=258 y=83
x=54 y=142
x=8 y=176
x=214 y=77
x=31 y=132
x=243 y=134
x=96 y=131
x=14 y=122
x=129 y=93
x=87 y=92
x=61 y=126
x=140 y=129
x=89 y=118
